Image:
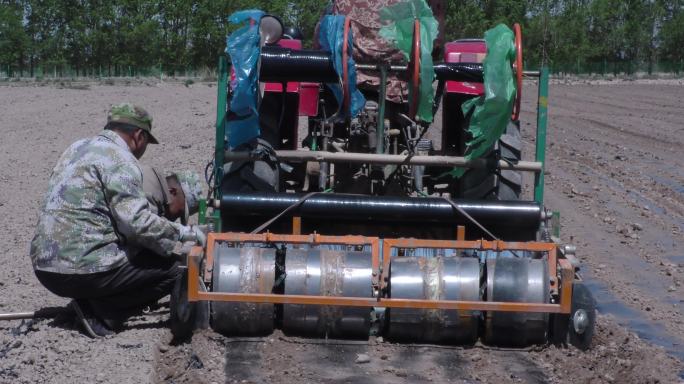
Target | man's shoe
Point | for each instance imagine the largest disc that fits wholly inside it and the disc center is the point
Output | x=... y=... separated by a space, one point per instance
x=90 y=324
x=113 y=323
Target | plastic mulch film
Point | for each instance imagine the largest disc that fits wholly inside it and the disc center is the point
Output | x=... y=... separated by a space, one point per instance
x=243 y=48
x=331 y=36
x=400 y=32
x=491 y=113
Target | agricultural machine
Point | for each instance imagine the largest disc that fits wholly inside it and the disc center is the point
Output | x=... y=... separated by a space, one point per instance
x=340 y=225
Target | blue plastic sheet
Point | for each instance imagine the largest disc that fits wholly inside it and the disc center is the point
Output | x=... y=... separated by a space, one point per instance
x=243 y=48
x=331 y=36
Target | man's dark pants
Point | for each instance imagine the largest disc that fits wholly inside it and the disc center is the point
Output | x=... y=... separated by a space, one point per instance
x=117 y=294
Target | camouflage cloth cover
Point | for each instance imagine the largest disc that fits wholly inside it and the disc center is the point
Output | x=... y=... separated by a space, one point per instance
x=95 y=212
x=370 y=47
x=134 y=115
x=192 y=189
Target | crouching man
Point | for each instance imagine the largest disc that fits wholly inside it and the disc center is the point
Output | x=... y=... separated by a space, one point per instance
x=174 y=195
x=97 y=241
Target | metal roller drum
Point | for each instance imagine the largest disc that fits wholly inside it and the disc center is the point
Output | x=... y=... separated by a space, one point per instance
x=243 y=270
x=521 y=280
x=438 y=278
x=323 y=272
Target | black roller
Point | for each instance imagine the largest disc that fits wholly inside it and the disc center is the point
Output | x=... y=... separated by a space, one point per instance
x=362 y=208
x=460 y=72
x=284 y=64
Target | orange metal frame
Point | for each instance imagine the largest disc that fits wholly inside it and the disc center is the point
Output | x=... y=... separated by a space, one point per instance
x=379 y=273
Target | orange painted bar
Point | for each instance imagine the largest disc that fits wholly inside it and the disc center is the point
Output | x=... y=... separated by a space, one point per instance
x=371 y=302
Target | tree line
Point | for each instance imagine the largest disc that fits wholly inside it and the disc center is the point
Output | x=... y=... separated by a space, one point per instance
x=108 y=37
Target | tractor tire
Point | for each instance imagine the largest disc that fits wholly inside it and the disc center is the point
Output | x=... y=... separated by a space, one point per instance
x=182 y=312
x=250 y=175
x=491 y=184
x=186 y=316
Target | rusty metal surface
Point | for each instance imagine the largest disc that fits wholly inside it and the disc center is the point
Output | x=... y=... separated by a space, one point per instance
x=549 y=249
x=439 y=278
x=327 y=273
x=460 y=233
x=296 y=225
x=243 y=270
x=312 y=239
x=484 y=245
x=517 y=280
x=567 y=279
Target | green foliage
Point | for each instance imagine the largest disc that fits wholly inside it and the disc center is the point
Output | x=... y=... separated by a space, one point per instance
x=116 y=37
x=14 y=44
x=672 y=33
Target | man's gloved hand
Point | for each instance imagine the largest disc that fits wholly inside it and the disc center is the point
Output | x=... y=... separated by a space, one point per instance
x=200 y=235
x=195 y=234
x=181 y=251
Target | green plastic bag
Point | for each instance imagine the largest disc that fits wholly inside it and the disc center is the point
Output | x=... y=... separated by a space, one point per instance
x=491 y=113
x=400 y=32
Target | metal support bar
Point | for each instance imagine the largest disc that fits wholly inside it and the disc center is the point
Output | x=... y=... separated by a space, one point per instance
x=202 y=212
x=296 y=225
x=379 y=302
x=380 y=131
x=17 y=316
x=540 y=157
x=567 y=279
x=403 y=68
x=44 y=313
x=376 y=68
x=460 y=233
x=221 y=109
x=371 y=158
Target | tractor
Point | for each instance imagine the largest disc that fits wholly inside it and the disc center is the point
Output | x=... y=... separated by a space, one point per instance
x=343 y=204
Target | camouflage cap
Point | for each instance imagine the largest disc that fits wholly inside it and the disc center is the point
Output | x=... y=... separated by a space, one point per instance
x=192 y=189
x=134 y=115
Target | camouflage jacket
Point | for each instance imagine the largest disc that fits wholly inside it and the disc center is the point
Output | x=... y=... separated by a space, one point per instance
x=95 y=213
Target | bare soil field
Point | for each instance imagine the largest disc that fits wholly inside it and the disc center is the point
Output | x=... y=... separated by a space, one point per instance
x=615 y=171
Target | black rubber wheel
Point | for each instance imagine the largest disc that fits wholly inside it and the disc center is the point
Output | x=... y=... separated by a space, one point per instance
x=182 y=313
x=582 y=300
x=564 y=332
x=250 y=176
x=479 y=184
